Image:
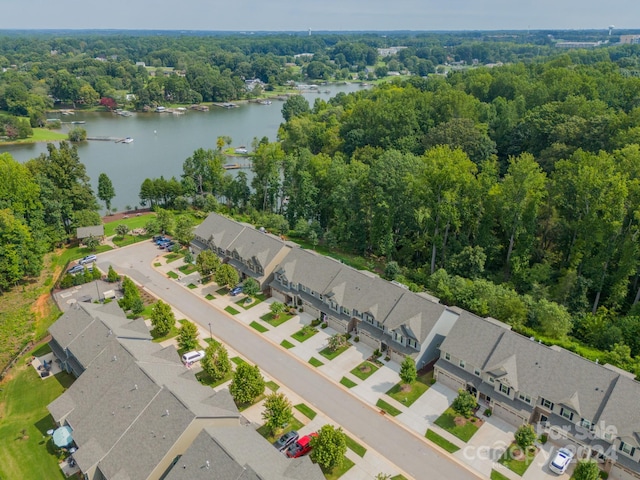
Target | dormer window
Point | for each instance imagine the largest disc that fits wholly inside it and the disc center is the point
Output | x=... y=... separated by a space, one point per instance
x=566 y=413
x=505 y=389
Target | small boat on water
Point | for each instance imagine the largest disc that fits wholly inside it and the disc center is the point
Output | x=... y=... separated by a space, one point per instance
x=265 y=102
x=78 y=122
x=127 y=140
x=231 y=166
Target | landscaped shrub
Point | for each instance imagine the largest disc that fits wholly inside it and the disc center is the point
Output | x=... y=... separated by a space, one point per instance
x=487 y=412
x=356 y=339
x=315 y=323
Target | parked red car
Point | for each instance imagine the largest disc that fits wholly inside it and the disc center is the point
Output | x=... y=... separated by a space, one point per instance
x=301 y=447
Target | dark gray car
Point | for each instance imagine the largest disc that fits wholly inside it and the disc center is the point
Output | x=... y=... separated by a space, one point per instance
x=285 y=440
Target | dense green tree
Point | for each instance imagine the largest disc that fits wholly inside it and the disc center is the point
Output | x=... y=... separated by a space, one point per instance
x=276 y=309
x=183 y=232
x=247 y=384
x=329 y=447
x=216 y=361
x=250 y=287
x=188 y=336
x=77 y=134
x=106 y=192
x=226 y=276
x=277 y=412
x=112 y=275
x=525 y=436
x=19 y=255
x=295 y=106
x=408 y=372
x=207 y=263
x=162 y=318
x=122 y=229
x=586 y=470
x=464 y=404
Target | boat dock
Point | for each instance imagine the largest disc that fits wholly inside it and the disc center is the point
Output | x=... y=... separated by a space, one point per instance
x=225 y=105
x=109 y=139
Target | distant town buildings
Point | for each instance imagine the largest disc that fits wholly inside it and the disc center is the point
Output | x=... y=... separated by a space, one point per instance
x=630 y=39
x=387 y=52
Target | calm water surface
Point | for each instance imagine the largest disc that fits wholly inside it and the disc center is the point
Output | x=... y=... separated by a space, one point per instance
x=163 y=141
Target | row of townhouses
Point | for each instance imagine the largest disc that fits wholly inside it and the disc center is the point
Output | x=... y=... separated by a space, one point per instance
x=137 y=413
x=520 y=380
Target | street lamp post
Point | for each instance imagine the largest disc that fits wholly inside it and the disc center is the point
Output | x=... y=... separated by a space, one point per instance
x=210 y=334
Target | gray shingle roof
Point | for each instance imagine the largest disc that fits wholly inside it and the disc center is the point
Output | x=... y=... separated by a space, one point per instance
x=621 y=413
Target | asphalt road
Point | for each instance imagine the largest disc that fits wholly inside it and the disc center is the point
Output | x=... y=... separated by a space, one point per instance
x=398 y=445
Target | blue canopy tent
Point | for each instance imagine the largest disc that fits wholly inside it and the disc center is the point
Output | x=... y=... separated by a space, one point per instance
x=62 y=436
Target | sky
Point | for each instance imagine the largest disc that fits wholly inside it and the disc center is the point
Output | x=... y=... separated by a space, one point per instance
x=334 y=15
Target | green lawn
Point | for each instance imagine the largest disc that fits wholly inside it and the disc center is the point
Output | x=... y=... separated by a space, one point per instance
x=287 y=344
x=355 y=447
x=172 y=333
x=441 y=442
x=271 y=320
x=257 y=326
x=294 y=424
x=315 y=362
x=347 y=383
x=364 y=370
x=208 y=296
x=304 y=334
x=233 y=311
x=238 y=361
x=331 y=354
x=448 y=421
x=191 y=286
x=513 y=462
x=409 y=396
x=129 y=239
x=398 y=477
x=306 y=411
x=273 y=386
x=75 y=253
x=173 y=256
x=157 y=264
x=261 y=297
x=24 y=398
x=172 y=274
x=205 y=379
x=132 y=222
x=390 y=409
x=495 y=475
x=337 y=472
x=188 y=268
x=222 y=291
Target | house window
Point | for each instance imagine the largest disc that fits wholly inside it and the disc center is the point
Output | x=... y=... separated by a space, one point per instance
x=586 y=423
x=461 y=363
x=491 y=380
x=626 y=448
x=346 y=311
x=476 y=372
x=504 y=389
x=524 y=398
x=568 y=414
x=294 y=286
x=546 y=403
x=447 y=356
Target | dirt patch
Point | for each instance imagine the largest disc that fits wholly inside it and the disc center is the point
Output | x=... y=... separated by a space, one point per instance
x=460 y=421
x=405 y=388
x=129 y=214
x=365 y=368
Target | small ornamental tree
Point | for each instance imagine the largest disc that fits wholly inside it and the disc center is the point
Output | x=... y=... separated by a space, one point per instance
x=77 y=134
x=207 y=263
x=336 y=342
x=277 y=412
x=408 y=372
x=586 y=470
x=96 y=274
x=92 y=243
x=464 y=404
x=130 y=294
x=122 y=230
x=276 y=309
x=216 y=362
x=137 y=306
x=162 y=318
x=188 y=336
x=329 y=447
x=247 y=384
x=112 y=275
x=106 y=192
x=525 y=436
x=250 y=287
x=184 y=230
x=226 y=275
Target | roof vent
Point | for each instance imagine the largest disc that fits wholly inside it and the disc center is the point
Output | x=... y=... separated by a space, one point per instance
x=166 y=413
x=135 y=386
x=208 y=464
x=114 y=358
x=110 y=333
x=533 y=339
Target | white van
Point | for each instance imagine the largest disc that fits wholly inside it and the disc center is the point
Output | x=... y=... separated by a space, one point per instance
x=192 y=357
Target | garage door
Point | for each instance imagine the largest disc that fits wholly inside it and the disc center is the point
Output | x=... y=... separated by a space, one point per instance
x=449 y=380
x=507 y=415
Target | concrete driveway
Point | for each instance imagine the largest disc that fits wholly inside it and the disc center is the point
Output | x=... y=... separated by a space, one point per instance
x=426 y=409
x=487 y=445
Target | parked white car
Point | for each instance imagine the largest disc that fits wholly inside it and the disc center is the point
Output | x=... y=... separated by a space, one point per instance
x=561 y=461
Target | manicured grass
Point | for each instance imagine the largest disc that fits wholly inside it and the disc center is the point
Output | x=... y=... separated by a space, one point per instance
x=306 y=411
x=205 y=379
x=237 y=360
x=399 y=477
x=273 y=386
x=287 y=344
x=254 y=301
x=331 y=354
x=355 y=447
x=232 y=311
x=512 y=461
x=271 y=320
x=191 y=286
x=390 y=409
x=24 y=398
x=129 y=239
x=223 y=291
x=75 y=253
x=441 y=442
x=157 y=264
x=208 y=296
x=304 y=334
x=337 y=472
x=407 y=398
x=362 y=372
x=172 y=274
x=132 y=222
x=495 y=475
x=463 y=432
x=315 y=362
x=172 y=333
x=257 y=326
x=294 y=424
x=173 y=256
x=347 y=383
x=188 y=268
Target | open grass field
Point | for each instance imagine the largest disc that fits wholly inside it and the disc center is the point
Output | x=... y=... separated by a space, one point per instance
x=40 y=135
x=132 y=222
x=407 y=396
x=463 y=431
x=25 y=449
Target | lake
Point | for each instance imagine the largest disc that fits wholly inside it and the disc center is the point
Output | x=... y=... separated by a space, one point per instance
x=163 y=141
